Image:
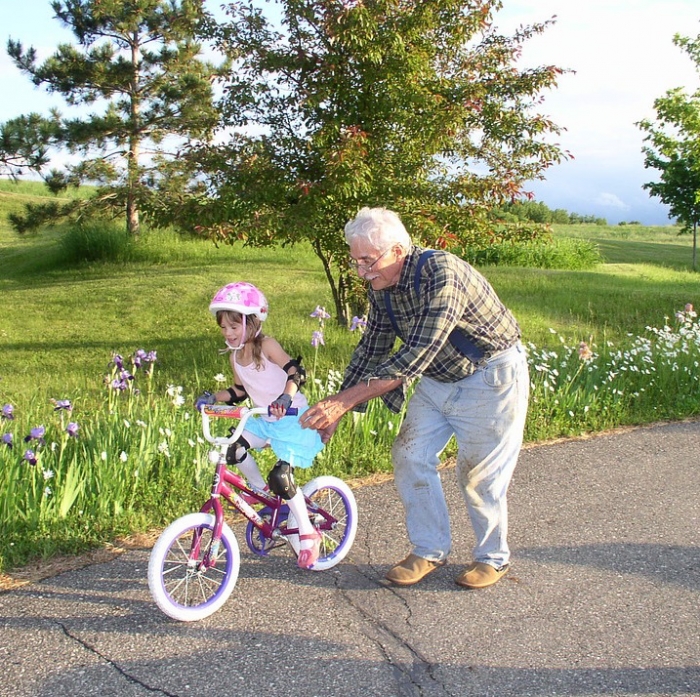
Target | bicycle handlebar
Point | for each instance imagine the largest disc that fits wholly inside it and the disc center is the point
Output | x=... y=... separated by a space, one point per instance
x=228 y=412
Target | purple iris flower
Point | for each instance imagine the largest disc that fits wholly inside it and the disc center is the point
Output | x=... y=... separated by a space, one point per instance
x=63 y=404
x=320 y=313
x=317 y=339
x=122 y=382
x=30 y=457
x=72 y=429
x=118 y=384
x=36 y=434
x=7 y=440
x=8 y=412
x=358 y=323
x=140 y=356
x=118 y=361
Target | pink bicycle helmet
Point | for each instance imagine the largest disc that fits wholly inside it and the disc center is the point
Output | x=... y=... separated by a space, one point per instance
x=240 y=297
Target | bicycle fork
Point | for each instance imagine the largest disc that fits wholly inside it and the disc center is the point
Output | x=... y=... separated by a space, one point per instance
x=214 y=502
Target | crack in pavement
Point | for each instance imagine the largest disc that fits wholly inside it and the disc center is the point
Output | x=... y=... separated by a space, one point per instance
x=410 y=675
x=111 y=663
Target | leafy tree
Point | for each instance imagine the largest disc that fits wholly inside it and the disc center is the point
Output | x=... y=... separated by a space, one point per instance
x=674 y=149
x=140 y=60
x=418 y=106
x=578 y=219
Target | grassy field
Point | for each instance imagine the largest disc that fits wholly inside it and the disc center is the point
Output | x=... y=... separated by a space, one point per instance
x=62 y=321
x=636 y=244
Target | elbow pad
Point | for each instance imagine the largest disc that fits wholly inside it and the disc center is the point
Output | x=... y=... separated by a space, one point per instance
x=233 y=397
x=298 y=377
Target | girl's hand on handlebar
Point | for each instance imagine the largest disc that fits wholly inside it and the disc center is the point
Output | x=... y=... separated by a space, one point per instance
x=204 y=400
x=280 y=406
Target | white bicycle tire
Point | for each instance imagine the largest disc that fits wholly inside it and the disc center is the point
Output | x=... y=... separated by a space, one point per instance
x=160 y=556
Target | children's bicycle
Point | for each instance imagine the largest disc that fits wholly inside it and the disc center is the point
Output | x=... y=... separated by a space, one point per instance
x=194 y=565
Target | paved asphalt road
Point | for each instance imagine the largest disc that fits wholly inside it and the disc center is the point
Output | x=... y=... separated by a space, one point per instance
x=602 y=600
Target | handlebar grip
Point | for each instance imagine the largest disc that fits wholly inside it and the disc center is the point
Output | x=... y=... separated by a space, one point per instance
x=292 y=411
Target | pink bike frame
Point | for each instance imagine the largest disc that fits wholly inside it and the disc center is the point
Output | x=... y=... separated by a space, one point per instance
x=227 y=484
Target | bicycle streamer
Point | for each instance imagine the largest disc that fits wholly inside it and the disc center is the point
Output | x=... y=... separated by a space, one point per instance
x=457 y=338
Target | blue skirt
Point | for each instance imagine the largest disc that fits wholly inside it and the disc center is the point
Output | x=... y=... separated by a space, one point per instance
x=289 y=441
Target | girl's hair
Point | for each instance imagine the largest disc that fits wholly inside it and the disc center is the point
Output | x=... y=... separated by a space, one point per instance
x=254 y=335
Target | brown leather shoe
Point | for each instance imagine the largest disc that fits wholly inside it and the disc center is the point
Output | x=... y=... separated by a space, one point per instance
x=480 y=575
x=412 y=569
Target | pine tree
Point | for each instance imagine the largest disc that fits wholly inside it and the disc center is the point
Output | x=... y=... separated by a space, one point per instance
x=140 y=62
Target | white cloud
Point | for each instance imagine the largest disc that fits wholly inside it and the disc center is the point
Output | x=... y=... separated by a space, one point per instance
x=611 y=201
x=624 y=58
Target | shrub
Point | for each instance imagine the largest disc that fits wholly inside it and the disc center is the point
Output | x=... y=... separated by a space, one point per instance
x=565 y=253
x=96 y=240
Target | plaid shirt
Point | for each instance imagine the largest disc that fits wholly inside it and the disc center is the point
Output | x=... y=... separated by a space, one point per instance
x=452 y=294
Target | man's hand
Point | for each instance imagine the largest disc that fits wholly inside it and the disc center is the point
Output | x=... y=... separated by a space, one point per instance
x=327 y=433
x=324 y=415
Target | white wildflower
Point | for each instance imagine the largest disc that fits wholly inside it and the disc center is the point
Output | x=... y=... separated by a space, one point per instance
x=174 y=390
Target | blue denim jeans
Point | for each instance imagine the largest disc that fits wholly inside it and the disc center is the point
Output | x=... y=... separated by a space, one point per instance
x=486 y=414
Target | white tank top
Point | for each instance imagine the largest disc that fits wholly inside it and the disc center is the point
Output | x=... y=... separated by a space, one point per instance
x=266 y=383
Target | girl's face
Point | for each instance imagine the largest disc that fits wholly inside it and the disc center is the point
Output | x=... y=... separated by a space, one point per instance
x=232 y=331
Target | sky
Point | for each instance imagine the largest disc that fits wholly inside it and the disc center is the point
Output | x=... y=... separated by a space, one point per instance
x=621 y=55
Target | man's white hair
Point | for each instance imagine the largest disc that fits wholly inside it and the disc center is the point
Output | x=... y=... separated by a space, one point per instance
x=381 y=227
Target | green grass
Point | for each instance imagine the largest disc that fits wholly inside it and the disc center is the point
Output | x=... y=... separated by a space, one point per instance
x=661 y=246
x=61 y=321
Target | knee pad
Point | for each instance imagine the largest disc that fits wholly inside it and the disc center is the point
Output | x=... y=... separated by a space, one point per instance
x=281 y=480
x=237 y=451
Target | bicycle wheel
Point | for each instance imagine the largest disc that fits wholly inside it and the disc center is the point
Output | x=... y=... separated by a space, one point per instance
x=181 y=588
x=335 y=498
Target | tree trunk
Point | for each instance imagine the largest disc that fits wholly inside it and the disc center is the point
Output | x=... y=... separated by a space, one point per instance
x=132 y=162
x=132 y=210
x=338 y=290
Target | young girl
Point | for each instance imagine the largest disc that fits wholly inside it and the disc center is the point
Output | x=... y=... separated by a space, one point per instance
x=264 y=373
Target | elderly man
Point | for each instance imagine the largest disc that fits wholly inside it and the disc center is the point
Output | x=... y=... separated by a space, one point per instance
x=462 y=346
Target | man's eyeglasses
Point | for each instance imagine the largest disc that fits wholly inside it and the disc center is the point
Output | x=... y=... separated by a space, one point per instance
x=365 y=264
